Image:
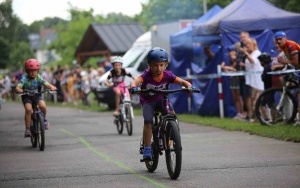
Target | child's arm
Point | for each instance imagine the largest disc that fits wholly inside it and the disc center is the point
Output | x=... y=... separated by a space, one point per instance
x=183 y=82
x=19 y=89
x=130 y=75
x=107 y=82
x=136 y=82
x=51 y=87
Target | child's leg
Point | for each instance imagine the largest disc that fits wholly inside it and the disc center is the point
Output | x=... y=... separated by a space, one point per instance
x=117 y=98
x=147 y=134
x=43 y=108
x=28 y=111
x=148 y=110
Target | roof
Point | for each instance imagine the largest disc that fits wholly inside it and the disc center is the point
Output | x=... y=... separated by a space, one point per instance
x=248 y=15
x=101 y=39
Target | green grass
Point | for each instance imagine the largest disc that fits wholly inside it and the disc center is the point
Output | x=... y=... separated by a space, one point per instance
x=281 y=132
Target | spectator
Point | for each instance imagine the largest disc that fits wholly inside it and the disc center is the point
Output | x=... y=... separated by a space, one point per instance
x=292 y=51
x=105 y=63
x=234 y=82
x=254 y=84
x=290 y=48
x=70 y=87
x=6 y=87
x=240 y=66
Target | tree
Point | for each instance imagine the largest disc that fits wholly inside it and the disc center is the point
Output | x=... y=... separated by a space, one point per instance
x=156 y=11
x=4 y=53
x=21 y=51
x=12 y=31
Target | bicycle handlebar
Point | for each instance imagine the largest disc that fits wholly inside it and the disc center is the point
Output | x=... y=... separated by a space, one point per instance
x=32 y=93
x=165 y=92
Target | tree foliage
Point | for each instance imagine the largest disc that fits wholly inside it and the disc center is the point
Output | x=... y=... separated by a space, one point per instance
x=12 y=32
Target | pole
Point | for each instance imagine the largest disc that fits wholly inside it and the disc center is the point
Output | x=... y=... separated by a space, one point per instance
x=188 y=75
x=220 y=90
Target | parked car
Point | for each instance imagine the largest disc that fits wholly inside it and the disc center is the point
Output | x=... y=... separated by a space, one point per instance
x=135 y=62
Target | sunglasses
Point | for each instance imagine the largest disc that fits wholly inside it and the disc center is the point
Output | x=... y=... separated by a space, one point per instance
x=278 y=39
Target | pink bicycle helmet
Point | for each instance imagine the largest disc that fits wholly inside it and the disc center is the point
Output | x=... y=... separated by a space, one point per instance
x=32 y=64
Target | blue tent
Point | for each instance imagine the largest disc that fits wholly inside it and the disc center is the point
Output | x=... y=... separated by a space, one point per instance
x=182 y=53
x=261 y=19
x=182 y=44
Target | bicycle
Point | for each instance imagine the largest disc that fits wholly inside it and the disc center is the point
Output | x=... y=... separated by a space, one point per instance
x=125 y=114
x=277 y=105
x=37 y=126
x=165 y=135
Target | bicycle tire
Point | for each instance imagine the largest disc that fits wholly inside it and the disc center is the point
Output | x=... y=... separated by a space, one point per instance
x=265 y=107
x=33 y=137
x=152 y=165
x=128 y=118
x=41 y=132
x=119 y=124
x=173 y=149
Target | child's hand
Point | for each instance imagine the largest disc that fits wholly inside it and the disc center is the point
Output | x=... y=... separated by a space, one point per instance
x=53 y=88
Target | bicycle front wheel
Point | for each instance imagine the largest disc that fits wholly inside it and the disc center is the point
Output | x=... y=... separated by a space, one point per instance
x=273 y=106
x=173 y=149
x=152 y=165
x=41 y=132
x=33 y=137
x=128 y=119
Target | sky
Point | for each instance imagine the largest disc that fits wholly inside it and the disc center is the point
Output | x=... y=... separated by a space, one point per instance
x=31 y=10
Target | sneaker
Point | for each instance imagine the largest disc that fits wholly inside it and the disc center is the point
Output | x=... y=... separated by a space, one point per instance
x=147 y=153
x=47 y=124
x=27 y=133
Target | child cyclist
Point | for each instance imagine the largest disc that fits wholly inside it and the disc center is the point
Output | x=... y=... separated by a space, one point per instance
x=156 y=76
x=32 y=81
x=117 y=74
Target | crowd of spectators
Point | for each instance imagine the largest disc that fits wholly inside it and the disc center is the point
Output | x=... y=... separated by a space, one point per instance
x=74 y=84
x=244 y=56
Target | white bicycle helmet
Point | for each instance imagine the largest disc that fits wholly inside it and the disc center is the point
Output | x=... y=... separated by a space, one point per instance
x=116 y=59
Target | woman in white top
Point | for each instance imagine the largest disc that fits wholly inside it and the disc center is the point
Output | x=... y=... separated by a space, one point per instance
x=253 y=78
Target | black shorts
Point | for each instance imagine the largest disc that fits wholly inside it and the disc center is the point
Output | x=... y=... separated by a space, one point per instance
x=28 y=99
x=149 y=108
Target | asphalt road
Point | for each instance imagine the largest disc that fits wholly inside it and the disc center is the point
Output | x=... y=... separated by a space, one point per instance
x=83 y=149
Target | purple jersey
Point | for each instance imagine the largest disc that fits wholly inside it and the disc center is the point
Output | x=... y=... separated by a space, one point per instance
x=148 y=82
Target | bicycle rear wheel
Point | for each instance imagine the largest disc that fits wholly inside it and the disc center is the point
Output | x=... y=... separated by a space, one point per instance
x=128 y=120
x=152 y=165
x=41 y=132
x=173 y=149
x=272 y=107
x=33 y=137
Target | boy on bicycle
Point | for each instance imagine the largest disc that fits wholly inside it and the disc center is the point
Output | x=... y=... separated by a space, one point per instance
x=118 y=74
x=32 y=81
x=155 y=77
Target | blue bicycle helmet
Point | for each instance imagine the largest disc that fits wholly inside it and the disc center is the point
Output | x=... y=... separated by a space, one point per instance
x=157 y=54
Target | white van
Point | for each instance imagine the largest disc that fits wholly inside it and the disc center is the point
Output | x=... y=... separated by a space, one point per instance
x=134 y=61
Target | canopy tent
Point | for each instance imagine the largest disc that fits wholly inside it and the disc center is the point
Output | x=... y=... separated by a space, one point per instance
x=182 y=43
x=182 y=53
x=248 y=15
x=261 y=19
